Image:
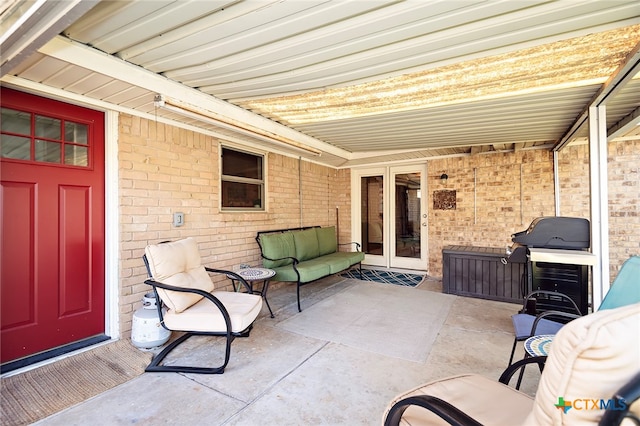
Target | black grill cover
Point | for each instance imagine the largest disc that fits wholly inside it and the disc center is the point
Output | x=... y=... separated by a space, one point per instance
x=556 y=232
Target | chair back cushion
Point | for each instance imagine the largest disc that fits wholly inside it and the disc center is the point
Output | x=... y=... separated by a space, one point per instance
x=625 y=289
x=590 y=359
x=277 y=246
x=178 y=264
x=306 y=243
x=327 y=242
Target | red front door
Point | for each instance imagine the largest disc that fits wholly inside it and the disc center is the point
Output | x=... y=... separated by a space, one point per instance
x=52 y=233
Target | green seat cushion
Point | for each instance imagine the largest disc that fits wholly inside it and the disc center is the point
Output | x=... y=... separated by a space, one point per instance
x=310 y=270
x=306 y=244
x=353 y=257
x=327 y=242
x=277 y=246
x=336 y=262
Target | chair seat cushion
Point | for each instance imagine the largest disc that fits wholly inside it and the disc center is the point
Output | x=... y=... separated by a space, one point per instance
x=310 y=270
x=243 y=309
x=490 y=402
x=522 y=324
x=352 y=257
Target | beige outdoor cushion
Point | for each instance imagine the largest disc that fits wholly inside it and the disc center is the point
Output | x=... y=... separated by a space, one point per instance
x=178 y=263
x=243 y=309
x=590 y=358
x=486 y=400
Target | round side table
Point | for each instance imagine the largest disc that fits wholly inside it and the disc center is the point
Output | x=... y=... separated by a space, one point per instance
x=255 y=275
x=538 y=345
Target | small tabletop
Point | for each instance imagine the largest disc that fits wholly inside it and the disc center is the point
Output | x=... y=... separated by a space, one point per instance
x=539 y=345
x=256 y=274
x=251 y=275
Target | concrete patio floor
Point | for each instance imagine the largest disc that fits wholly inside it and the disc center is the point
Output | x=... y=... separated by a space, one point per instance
x=276 y=377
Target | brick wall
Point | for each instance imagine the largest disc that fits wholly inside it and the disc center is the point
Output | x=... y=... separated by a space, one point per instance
x=164 y=170
x=496 y=195
x=624 y=193
x=499 y=194
x=624 y=202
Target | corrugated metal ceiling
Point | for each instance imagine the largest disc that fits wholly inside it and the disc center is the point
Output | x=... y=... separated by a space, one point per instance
x=363 y=81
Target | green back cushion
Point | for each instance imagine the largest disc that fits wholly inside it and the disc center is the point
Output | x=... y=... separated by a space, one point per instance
x=277 y=246
x=327 y=240
x=306 y=244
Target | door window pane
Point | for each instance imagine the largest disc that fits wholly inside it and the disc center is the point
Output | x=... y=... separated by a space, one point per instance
x=76 y=155
x=407 y=220
x=48 y=152
x=15 y=147
x=47 y=127
x=76 y=132
x=14 y=121
x=372 y=214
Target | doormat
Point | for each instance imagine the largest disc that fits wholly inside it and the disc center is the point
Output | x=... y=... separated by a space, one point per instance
x=41 y=392
x=386 y=277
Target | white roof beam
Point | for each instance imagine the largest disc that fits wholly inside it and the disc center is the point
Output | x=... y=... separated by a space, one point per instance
x=33 y=28
x=625 y=72
x=102 y=63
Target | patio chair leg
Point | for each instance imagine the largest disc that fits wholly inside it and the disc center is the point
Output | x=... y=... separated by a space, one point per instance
x=520 y=376
x=513 y=351
x=155 y=366
x=298 y=295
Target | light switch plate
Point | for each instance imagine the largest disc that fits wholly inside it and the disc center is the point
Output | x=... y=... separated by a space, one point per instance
x=178 y=219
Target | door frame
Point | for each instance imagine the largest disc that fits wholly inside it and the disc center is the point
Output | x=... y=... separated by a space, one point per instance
x=388 y=260
x=112 y=224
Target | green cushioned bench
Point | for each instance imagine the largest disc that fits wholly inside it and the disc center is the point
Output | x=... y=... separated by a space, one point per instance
x=303 y=255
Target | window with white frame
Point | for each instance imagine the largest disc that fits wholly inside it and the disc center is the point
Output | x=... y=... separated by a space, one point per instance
x=242 y=180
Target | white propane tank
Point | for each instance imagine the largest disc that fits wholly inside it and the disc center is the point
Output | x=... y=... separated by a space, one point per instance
x=146 y=331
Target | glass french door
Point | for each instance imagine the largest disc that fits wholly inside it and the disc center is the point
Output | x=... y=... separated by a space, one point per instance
x=391 y=216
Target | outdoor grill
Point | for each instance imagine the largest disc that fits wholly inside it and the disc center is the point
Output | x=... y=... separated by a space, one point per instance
x=554 y=251
x=572 y=233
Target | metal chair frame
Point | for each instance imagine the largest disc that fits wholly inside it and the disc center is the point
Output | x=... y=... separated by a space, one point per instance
x=544 y=310
x=228 y=334
x=295 y=261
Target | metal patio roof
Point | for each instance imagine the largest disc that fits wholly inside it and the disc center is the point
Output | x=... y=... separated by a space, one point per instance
x=358 y=82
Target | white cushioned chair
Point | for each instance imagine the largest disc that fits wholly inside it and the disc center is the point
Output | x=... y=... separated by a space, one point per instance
x=184 y=286
x=593 y=358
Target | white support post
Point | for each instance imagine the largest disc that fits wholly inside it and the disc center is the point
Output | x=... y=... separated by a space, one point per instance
x=556 y=183
x=599 y=202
